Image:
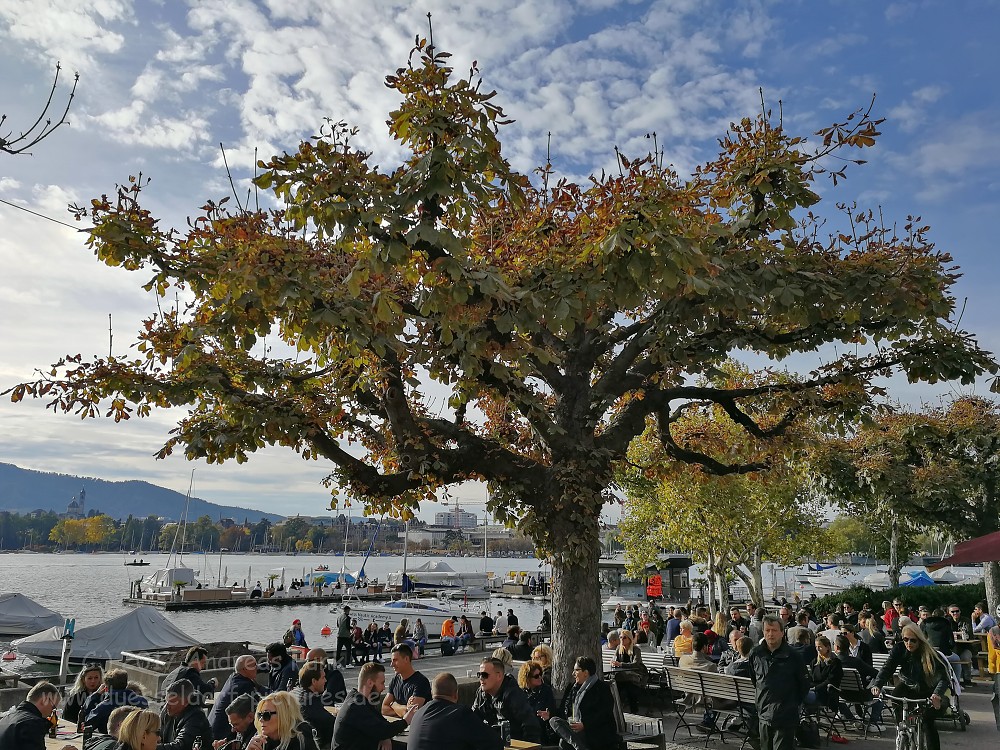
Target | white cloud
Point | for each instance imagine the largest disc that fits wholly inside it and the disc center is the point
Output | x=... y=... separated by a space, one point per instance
x=911 y=113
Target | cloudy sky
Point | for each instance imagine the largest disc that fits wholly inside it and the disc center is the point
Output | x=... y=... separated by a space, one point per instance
x=163 y=83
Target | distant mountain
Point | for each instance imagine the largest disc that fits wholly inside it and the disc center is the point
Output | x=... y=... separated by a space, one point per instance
x=24 y=490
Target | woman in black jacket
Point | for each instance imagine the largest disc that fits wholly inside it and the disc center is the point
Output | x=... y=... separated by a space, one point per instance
x=826 y=675
x=922 y=674
x=540 y=696
x=87 y=683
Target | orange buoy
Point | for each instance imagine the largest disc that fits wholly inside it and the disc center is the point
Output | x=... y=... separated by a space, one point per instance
x=325 y=630
x=9 y=656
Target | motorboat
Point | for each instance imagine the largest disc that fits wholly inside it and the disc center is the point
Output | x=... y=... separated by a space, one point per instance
x=144 y=628
x=432 y=612
x=827 y=583
x=20 y=615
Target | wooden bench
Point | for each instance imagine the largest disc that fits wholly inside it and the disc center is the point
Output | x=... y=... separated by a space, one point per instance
x=731 y=698
x=636 y=728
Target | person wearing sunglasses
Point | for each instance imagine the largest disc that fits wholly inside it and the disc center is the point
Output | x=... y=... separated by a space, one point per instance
x=184 y=721
x=445 y=724
x=531 y=679
x=499 y=699
x=923 y=673
x=280 y=726
x=139 y=731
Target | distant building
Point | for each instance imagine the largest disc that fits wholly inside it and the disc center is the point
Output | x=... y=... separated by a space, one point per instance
x=456 y=519
x=77 y=507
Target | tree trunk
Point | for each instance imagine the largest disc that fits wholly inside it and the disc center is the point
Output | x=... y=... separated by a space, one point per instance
x=713 y=579
x=576 y=614
x=757 y=592
x=991 y=575
x=894 y=564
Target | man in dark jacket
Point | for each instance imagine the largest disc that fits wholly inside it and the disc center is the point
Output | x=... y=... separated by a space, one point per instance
x=335 y=689
x=99 y=705
x=195 y=660
x=284 y=674
x=500 y=699
x=445 y=724
x=25 y=727
x=240 y=727
x=242 y=682
x=309 y=693
x=588 y=703
x=779 y=676
x=182 y=721
x=360 y=724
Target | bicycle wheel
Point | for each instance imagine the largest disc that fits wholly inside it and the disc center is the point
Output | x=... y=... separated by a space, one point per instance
x=902 y=737
x=919 y=736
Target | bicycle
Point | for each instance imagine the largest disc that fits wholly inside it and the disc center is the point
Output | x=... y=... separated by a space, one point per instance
x=910 y=727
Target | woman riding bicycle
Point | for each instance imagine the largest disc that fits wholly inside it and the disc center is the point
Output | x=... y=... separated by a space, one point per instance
x=922 y=674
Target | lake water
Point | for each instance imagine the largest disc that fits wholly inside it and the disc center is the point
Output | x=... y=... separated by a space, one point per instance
x=91 y=588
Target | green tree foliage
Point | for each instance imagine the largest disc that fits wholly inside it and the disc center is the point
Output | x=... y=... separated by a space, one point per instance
x=557 y=321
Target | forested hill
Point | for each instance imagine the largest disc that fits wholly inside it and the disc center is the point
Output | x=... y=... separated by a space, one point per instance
x=24 y=490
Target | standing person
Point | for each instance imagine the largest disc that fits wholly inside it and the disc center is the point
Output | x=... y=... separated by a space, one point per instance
x=408 y=687
x=589 y=708
x=755 y=630
x=88 y=682
x=283 y=672
x=500 y=699
x=779 y=677
x=360 y=725
x=25 y=726
x=183 y=720
x=445 y=724
x=344 y=638
x=922 y=674
x=243 y=681
x=657 y=626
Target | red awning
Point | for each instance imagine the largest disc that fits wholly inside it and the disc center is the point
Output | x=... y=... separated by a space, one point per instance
x=981 y=549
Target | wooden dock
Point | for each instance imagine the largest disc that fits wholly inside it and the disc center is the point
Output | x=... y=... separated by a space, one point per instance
x=172 y=605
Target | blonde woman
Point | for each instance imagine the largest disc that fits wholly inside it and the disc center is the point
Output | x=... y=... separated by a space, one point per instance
x=544 y=656
x=87 y=683
x=139 y=731
x=540 y=695
x=508 y=661
x=277 y=720
x=630 y=673
x=682 y=643
x=923 y=674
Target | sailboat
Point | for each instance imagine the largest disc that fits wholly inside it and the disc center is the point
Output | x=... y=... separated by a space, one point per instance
x=175 y=575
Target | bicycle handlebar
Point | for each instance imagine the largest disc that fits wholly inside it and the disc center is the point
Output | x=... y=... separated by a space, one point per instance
x=906 y=701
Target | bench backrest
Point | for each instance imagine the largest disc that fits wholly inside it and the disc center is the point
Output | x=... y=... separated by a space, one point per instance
x=711 y=684
x=852 y=683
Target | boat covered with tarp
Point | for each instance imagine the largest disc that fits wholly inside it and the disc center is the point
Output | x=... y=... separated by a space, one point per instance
x=20 y=615
x=142 y=629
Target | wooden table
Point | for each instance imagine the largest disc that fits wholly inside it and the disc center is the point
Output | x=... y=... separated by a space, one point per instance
x=66 y=734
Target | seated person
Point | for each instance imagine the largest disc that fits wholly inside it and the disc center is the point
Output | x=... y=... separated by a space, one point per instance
x=589 y=709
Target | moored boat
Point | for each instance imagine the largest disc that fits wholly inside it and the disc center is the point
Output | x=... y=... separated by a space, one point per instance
x=20 y=615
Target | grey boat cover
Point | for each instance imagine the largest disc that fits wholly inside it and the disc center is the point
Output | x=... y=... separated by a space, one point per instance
x=20 y=615
x=141 y=629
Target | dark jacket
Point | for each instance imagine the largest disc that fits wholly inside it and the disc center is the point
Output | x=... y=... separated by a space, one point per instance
x=739 y=668
x=179 y=732
x=24 y=728
x=73 y=706
x=543 y=699
x=100 y=710
x=284 y=677
x=201 y=686
x=597 y=713
x=865 y=651
x=911 y=673
x=314 y=711
x=940 y=634
x=443 y=725
x=779 y=677
x=826 y=678
x=361 y=726
x=876 y=642
x=336 y=688
x=301 y=740
x=235 y=686
x=509 y=704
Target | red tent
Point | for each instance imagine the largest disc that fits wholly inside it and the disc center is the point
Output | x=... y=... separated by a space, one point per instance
x=981 y=549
